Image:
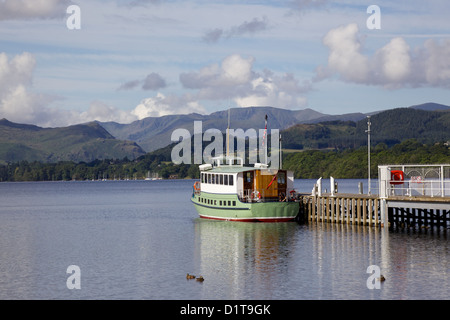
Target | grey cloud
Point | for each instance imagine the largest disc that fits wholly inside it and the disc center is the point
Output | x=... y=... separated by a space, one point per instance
x=302 y=5
x=213 y=36
x=129 y=85
x=142 y=3
x=152 y=82
x=252 y=27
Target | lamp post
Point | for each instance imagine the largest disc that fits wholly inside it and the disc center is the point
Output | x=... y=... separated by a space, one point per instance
x=368 y=153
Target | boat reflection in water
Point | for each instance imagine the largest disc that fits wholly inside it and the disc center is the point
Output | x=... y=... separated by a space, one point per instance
x=241 y=258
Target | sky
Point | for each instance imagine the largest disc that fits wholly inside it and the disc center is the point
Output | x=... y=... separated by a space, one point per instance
x=66 y=62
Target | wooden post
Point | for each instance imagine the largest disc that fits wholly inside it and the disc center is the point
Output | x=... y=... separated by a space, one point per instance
x=377 y=212
x=323 y=209
x=349 y=209
x=358 y=211
x=364 y=209
x=332 y=209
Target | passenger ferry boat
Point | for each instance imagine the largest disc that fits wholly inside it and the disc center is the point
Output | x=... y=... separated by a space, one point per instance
x=234 y=192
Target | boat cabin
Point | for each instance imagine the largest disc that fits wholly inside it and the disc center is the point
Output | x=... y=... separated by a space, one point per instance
x=251 y=184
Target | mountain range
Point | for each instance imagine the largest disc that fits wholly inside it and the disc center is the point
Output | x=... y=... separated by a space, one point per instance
x=155 y=132
x=83 y=142
x=301 y=129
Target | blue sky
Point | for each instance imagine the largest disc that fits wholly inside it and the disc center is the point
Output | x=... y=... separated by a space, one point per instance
x=137 y=58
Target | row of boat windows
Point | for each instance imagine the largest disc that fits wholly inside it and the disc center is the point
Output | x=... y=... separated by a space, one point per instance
x=228 y=203
x=216 y=178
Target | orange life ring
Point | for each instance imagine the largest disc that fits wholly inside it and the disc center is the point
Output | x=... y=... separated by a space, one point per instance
x=397 y=177
x=197 y=186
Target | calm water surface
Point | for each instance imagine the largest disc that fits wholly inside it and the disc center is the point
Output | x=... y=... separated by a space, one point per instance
x=138 y=239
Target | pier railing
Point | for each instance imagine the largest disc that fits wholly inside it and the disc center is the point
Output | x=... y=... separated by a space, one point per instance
x=419 y=187
x=414 y=180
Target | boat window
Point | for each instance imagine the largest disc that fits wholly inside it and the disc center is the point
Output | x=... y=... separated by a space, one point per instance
x=230 y=180
x=220 y=202
x=225 y=178
x=215 y=202
x=229 y=203
x=281 y=177
x=234 y=203
x=213 y=179
x=221 y=179
x=209 y=178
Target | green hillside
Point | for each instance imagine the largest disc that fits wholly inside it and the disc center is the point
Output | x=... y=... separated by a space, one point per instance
x=389 y=127
x=352 y=163
x=83 y=142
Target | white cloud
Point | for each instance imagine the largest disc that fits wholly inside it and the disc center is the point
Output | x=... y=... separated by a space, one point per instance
x=392 y=66
x=394 y=62
x=162 y=105
x=435 y=58
x=233 y=71
x=236 y=79
x=275 y=91
x=18 y=103
x=345 y=55
x=102 y=112
x=32 y=9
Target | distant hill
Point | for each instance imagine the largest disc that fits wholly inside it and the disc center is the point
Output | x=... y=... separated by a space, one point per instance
x=389 y=127
x=300 y=129
x=155 y=132
x=83 y=142
x=431 y=106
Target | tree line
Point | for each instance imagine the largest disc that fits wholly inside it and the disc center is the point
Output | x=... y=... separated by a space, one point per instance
x=311 y=164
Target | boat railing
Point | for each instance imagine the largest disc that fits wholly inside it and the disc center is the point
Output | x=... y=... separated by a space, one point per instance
x=263 y=195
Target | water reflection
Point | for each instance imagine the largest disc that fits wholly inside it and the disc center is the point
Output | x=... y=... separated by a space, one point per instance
x=243 y=256
x=317 y=261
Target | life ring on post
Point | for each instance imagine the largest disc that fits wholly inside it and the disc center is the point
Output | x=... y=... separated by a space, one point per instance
x=197 y=186
x=397 y=177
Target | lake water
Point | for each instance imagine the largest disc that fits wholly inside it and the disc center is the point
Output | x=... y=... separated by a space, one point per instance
x=138 y=239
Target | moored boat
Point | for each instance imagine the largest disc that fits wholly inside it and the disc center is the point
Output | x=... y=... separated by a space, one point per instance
x=234 y=192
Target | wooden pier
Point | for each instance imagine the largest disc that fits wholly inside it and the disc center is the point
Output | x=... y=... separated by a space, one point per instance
x=342 y=208
x=409 y=196
x=366 y=210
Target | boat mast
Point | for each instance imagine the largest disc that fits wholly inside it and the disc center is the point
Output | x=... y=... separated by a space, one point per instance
x=228 y=134
x=265 y=135
x=281 y=155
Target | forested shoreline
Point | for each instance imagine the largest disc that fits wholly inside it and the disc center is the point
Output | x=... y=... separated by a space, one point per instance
x=311 y=164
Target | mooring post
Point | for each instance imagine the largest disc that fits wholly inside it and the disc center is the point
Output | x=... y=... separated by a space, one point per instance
x=384 y=213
